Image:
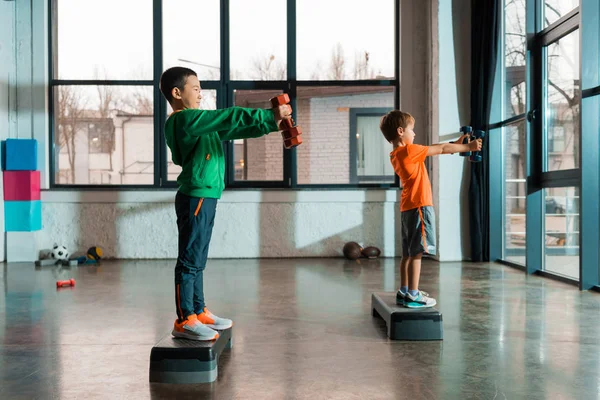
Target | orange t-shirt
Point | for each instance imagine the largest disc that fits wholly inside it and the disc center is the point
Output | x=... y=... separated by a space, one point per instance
x=409 y=163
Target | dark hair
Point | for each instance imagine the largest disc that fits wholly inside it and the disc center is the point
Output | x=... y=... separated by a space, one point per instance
x=393 y=120
x=174 y=77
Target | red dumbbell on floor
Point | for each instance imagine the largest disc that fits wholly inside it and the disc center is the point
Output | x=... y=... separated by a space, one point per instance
x=70 y=282
x=290 y=133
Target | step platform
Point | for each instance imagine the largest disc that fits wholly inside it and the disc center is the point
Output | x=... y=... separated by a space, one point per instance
x=407 y=323
x=183 y=361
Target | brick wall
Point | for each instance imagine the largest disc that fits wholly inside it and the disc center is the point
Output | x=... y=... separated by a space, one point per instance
x=324 y=156
x=265 y=158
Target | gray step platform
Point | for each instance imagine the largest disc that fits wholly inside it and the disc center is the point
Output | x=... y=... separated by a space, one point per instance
x=407 y=323
x=175 y=360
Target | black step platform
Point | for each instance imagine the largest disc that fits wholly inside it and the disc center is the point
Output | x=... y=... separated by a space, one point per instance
x=407 y=323
x=175 y=360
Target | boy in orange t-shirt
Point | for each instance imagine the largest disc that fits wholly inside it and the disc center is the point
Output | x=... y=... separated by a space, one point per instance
x=416 y=204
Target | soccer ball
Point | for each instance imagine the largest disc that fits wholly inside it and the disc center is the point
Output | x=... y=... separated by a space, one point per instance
x=60 y=253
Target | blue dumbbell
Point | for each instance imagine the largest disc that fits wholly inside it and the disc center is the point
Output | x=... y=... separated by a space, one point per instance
x=463 y=130
x=476 y=156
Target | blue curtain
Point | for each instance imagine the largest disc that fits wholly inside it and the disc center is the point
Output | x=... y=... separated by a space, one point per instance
x=486 y=30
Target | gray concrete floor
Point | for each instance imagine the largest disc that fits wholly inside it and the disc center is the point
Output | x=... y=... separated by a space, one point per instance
x=303 y=330
x=562 y=265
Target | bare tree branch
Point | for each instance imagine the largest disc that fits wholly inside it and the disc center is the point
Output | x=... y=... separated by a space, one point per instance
x=269 y=69
x=362 y=70
x=570 y=100
x=70 y=111
x=336 y=67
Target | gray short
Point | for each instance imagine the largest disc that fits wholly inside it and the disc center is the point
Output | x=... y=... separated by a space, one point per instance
x=418 y=231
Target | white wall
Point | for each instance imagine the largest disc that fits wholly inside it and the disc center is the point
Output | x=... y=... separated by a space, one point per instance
x=137 y=224
x=7 y=92
x=23 y=77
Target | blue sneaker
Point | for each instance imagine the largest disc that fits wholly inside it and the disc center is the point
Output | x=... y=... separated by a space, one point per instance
x=421 y=300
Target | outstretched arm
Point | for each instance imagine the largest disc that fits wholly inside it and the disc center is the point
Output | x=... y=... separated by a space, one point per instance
x=456 y=147
x=200 y=122
x=249 y=132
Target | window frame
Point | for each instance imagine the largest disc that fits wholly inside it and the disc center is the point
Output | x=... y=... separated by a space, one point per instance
x=354 y=114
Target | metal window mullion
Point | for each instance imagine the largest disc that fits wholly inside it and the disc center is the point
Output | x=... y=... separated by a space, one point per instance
x=346 y=186
x=556 y=179
x=226 y=95
x=562 y=25
x=257 y=185
x=160 y=149
x=258 y=85
x=558 y=34
x=369 y=82
x=542 y=123
x=589 y=273
x=534 y=204
x=510 y=121
x=496 y=203
x=290 y=156
x=51 y=131
x=590 y=92
x=100 y=82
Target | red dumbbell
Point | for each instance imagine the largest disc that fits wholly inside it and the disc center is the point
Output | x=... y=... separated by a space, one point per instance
x=70 y=282
x=290 y=133
x=280 y=100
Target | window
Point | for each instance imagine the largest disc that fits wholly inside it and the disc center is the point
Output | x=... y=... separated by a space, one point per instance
x=515 y=191
x=258 y=49
x=108 y=114
x=562 y=104
x=515 y=52
x=354 y=44
x=104 y=135
x=556 y=9
x=324 y=115
x=86 y=47
x=259 y=159
x=513 y=132
x=562 y=231
x=550 y=190
x=195 y=45
x=369 y=151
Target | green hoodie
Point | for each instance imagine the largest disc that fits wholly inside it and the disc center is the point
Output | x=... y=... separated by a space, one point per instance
x=194 y=137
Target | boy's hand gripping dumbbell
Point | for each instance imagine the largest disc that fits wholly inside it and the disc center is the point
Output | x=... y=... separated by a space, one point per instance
x=474 y=138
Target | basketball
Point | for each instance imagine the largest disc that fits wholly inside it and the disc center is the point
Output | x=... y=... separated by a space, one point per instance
x=352 y=251
x=94 y=253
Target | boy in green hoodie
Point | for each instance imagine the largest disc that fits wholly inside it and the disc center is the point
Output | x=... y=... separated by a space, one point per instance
x=194 y=137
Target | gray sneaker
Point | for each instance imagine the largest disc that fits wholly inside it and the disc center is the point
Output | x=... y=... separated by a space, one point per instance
x=401 y=297
x=211 y=320
x=193 y=329
x=421 y=300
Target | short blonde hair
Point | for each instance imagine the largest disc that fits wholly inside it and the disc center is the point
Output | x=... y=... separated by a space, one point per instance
x=393 y=120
